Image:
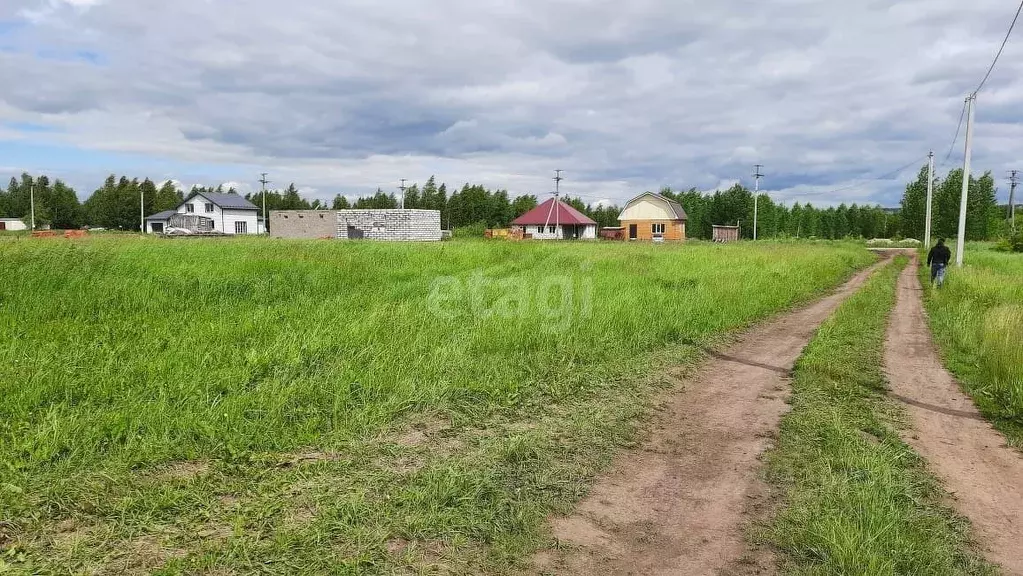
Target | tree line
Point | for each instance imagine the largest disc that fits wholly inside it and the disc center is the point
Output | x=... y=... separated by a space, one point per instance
x=115 y=205
x=984 y=219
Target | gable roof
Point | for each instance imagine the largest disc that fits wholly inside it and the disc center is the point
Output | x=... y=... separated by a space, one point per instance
x=549 y=213
x=228 y=201
x=675 y=207
x=162 y=215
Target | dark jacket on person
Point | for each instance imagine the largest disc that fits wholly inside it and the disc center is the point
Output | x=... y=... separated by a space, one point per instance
x=940 y=254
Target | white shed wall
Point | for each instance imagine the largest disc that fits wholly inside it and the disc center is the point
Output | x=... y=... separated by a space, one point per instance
x=14 y=224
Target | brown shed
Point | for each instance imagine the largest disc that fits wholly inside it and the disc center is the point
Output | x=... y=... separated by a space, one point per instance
x=726 y=233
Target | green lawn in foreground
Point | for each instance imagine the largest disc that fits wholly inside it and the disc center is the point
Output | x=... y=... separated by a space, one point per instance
x=329 y=407
x=977 y=320
x=856 y=499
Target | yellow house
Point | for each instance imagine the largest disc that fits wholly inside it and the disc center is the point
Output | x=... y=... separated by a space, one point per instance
x=653 y=217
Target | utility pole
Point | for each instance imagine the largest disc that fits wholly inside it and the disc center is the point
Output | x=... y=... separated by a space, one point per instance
x=402 y=188
x=266 y=223
x=1013 y=180
x=557 y=202
x=961 y=240
x=757 y=175
x=32 y=202
x=142 y=209
x=930 y=193
x=555 y=208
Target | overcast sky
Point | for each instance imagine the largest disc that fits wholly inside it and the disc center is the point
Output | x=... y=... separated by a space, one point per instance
x=348 y=95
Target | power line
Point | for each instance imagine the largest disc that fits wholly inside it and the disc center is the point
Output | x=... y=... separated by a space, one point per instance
x=862 y=181
x=995 y=61
x=956 y=137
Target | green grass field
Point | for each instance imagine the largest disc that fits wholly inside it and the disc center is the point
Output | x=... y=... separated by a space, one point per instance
x=856 y=499
x=321 y=407
x=977 y=320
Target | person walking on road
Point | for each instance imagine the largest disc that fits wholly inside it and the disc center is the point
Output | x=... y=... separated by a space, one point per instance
x=938 y=259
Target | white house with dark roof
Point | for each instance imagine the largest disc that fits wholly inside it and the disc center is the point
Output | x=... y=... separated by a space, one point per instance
x=228 y=213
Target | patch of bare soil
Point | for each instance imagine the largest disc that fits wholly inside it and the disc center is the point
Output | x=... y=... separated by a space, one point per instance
x=141 y=555
x=400 y=465
x=182 y=471
x=984 y=475
x=678 y=504
x=68 y=534
x=423 y=432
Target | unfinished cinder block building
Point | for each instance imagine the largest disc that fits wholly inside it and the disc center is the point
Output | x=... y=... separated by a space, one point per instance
x=372 y=224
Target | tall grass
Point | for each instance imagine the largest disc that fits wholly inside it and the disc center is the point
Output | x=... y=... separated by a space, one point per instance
x=857 y=500
x=119 y=355
x=977 y=320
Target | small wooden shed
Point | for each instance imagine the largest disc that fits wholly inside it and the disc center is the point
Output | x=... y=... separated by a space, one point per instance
x=725 y=233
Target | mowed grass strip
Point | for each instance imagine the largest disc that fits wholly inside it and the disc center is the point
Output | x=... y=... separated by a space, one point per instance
x=322 y=407
x=977 y=321
x=855 y=498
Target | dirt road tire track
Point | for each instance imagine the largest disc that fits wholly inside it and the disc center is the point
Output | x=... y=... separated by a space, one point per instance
x=677 y=504
x=983 y=474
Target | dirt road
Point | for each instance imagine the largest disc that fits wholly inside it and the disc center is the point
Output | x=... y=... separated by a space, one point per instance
x=984 y=476
x=676 y=505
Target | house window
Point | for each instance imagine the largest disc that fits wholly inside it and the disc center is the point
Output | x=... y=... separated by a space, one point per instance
x=551 y=229
x=658 y=228
x=189 y=207
x=209 y=207
x=539 y=229
x=241 y=228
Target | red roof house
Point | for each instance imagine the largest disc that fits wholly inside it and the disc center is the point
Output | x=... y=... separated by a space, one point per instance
x=556 y=220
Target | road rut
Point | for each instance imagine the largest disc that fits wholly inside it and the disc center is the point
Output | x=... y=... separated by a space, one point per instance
x=677 y=505
x=984 y=475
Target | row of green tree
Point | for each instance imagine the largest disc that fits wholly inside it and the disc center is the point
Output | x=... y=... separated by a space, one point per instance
x=984 y=219
x=116 y=205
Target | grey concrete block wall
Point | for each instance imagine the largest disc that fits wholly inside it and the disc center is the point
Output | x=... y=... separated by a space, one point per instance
x=384 y=224
x=399 y=225
x=303 y=223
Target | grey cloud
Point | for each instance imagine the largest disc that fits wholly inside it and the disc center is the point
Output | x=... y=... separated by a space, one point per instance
x=624 y=94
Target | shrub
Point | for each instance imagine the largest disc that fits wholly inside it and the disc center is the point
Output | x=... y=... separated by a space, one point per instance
x=471 y=231
x=1013 y=242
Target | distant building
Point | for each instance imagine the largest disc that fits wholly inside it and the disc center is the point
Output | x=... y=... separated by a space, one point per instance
x=556 y=220
x=211 y=212
x=12 y=224
x=390 y=224
x=653 y=217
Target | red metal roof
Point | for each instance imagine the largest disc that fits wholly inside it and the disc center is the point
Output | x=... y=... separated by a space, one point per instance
x=562 y=213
